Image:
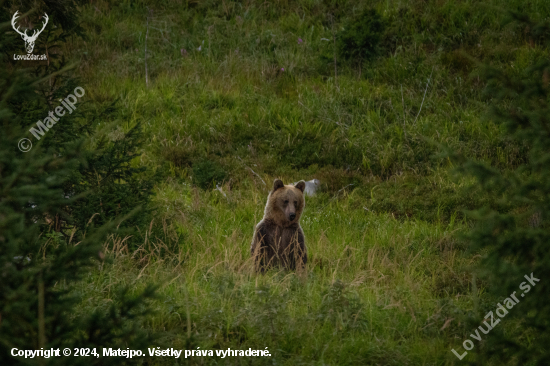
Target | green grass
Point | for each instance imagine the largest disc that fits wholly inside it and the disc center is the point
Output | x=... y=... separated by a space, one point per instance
x=376 y=289
x=386 y=270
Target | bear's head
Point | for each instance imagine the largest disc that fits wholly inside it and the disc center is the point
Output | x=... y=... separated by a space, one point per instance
x=285 y=204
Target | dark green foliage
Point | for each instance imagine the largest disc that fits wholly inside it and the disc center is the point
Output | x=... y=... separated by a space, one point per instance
x=38 y=266
x=535 y=32
x=35 y=281
x=62 y=13
x=105 y=184
x=336 y=8
x=110 y=183
x=207 y=173
x=517 y=239
x=360 y=40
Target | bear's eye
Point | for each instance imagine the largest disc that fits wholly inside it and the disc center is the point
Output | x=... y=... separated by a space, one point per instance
x=286 y=202
x=295 y=203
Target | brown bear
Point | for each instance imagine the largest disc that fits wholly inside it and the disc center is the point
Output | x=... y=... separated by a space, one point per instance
x=278 y=239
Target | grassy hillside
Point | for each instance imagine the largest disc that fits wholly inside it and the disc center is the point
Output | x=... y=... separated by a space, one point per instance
x=239 y=93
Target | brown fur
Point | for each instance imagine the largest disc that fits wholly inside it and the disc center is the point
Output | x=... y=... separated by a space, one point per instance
x=278 y=238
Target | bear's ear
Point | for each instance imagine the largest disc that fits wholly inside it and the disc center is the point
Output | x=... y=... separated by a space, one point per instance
x=277 y=184
x=301 y=185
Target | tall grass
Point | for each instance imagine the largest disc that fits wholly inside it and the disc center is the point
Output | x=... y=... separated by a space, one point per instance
x=375 y=289
x=387 y=282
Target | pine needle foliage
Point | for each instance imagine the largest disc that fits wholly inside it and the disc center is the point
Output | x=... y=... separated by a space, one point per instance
x=109 y=185
x=106 y=184
x=515 y=234
x=39 y=267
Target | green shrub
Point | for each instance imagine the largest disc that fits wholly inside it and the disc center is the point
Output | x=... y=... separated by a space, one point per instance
x=515 y=235
x=39 y=268
x=106 y=184
x=207 y=173
x=360 y=39
x=110 y=184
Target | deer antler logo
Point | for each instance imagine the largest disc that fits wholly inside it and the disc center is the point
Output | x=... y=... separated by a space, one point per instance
x=29 y=40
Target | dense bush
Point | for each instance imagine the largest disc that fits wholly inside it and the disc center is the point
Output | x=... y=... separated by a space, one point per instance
x=516 y=236
x=109 y=184
x=38 y=267
x=106 y=184
x=360 y=39
x=207 y=173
